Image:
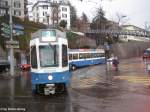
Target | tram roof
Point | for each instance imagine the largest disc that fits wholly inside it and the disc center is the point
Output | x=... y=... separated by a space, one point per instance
x=86 y=50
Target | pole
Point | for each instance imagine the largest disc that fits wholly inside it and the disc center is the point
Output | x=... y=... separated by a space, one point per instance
x=48 y=21
x=11 y=39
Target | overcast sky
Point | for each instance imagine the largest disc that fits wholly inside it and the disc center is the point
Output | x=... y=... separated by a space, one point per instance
x=137 y=12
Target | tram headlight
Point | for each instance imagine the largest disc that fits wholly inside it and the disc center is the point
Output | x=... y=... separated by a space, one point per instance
x=50 y=77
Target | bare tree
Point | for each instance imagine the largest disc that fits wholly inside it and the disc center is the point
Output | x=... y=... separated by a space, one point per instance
x=99 y=20
x=73 y=15
x=121 y=19
x=147 y=26
x=84 y=17
x=55 y=11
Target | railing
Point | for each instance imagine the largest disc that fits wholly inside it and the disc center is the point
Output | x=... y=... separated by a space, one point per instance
x=145 y=34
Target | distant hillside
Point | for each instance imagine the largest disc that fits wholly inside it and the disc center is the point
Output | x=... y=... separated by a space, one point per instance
x=77 y=41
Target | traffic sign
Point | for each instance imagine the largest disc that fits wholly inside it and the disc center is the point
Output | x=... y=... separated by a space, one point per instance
x=12 y=46
x=5 y=35
x=5 y=30
x=19 y=27
x=12 y=42
x=5 y=25
x=18 y=30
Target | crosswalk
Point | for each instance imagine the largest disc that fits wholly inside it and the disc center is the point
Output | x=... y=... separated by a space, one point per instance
x=133 y=73
x=141 y=79
x=86 y=82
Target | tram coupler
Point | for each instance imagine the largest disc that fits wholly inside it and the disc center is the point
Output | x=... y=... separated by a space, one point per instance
x=49 y=89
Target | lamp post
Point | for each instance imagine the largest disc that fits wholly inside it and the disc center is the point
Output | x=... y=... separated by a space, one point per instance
x=120 y=18
x=11 y=39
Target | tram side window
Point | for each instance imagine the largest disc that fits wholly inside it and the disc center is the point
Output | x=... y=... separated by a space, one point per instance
x=70 y=56
x=75 y=56
x=92 y=55
x=95 y=55
x=100 y=54
x=64 y=56
x=33 y=57
x=81 y=56
x=88 y=55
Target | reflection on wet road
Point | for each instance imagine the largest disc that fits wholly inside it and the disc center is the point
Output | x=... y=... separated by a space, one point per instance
x=16 y=96
x=126 y=90
x=92 y=89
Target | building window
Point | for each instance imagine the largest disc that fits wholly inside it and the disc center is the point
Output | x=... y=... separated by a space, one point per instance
x=37 y=19
x=17 y=4
x=17 y=13
x=2 y=12
x=64 y=9
x=4 y=3
x=44 y=20
x=37 y=8
x=64 y=15
x=55 y=21
x=37 y=15
x=45 y=6
x=44 y=13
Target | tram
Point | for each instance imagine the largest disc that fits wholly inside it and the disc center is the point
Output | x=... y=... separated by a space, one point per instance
x=85 y=57
x=49 y=61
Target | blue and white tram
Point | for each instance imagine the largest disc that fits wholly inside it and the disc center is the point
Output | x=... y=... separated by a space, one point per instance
x=49 y=61
x=85 y=57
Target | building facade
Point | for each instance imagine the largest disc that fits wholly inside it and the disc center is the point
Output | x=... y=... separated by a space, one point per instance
x=134 y=34
x=18 y=8
x=50 y=12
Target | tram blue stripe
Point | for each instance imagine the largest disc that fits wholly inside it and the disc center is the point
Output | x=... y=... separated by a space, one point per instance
x=58 y=77
x=85 y=62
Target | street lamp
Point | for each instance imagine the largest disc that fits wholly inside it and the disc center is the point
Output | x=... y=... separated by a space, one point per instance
x=11 y=39
x=120 y=18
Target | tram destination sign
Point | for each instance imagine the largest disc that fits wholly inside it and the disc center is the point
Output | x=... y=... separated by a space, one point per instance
x=48 y=35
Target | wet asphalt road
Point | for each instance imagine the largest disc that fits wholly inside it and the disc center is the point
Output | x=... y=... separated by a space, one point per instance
x=92 y=89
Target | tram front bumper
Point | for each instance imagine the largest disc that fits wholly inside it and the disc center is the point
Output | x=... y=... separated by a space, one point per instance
x=46 y=78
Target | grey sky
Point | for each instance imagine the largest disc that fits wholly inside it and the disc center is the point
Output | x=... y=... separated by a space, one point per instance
x=136 y=11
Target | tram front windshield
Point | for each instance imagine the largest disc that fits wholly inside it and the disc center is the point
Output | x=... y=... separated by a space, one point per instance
x=48 y=55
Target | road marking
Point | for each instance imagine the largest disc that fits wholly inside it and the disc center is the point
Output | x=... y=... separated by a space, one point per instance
x=145 y=80
x=87 y=81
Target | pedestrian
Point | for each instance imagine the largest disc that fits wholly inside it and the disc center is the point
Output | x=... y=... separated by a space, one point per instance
x=115 y=63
